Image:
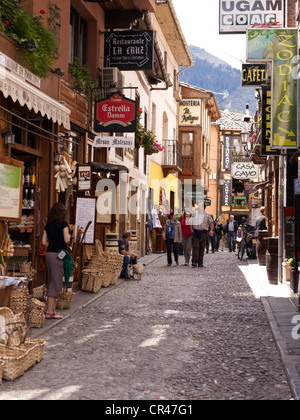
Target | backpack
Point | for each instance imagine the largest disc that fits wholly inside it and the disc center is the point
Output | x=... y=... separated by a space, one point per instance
x=171 y=230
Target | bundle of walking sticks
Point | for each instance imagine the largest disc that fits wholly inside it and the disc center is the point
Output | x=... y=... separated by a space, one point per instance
x=77 y=239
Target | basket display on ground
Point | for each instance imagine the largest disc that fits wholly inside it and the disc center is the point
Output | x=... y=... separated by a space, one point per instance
x=36 y=317
x=103 y=269
x=64 y=300
x=14 y=360
x=91 y=280
x=40 y=292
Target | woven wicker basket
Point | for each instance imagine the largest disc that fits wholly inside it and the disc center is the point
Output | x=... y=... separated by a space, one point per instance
x=36 y=317
x=14 y=360
x=1 y=370
x=91 y=281
x=64 y=300
x=18 y=299
x=14 y=327
x=40 y=292
x=35 y=350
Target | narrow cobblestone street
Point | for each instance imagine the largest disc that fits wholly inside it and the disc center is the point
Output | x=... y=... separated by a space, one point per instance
x=181 y=333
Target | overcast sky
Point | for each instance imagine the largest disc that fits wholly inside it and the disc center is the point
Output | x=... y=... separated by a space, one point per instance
x=199 y=20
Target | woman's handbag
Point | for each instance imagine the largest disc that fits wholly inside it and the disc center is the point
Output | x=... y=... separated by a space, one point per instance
x=41 y=252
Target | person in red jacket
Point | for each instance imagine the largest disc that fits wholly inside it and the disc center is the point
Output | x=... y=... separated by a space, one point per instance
x=187 y=232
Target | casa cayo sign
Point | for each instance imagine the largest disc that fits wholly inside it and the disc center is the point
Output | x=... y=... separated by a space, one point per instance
x=244 y=170
x=115 y=114
x=236 y=16
x=254 y=74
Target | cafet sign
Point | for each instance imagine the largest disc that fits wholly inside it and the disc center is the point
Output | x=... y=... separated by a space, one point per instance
x=244 y=170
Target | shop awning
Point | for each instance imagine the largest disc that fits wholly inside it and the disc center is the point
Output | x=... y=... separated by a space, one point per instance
x=26 y=94
x=108 y=167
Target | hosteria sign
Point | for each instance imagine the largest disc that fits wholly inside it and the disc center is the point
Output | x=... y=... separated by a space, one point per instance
x=115 y=114
x=236 y=16
x=244 y=170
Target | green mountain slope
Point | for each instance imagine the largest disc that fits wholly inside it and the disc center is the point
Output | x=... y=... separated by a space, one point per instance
x=211 y=73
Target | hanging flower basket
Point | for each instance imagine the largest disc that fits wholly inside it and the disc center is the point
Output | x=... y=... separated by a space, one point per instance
x=146 y=139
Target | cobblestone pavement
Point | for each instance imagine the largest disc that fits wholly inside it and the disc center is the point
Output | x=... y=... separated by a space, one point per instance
x=181 y=333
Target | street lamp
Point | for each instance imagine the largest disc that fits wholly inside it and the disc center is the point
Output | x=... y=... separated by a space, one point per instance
x=245 y=140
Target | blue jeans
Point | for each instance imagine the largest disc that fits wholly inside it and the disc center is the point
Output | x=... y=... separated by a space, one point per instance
x=231 y=237
x=126 y=262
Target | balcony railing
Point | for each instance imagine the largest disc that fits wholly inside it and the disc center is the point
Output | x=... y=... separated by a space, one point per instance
x=172 y=154
x=188 y=163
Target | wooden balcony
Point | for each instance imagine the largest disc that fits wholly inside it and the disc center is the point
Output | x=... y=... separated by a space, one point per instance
x=172 y=160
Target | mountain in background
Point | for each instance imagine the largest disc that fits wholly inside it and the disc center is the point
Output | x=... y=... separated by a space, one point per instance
x=211 y=73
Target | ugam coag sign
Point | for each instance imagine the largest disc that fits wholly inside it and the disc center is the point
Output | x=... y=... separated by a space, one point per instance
x=238 y=15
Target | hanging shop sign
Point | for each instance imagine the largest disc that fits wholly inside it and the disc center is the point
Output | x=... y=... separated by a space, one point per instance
x=115 y=114
x=281 y=47
x=190 y=112
x=129 y=50
x=11 y=189
x=244 y=170
x=266 y=127
x=227 y=152
x=254 y=74
x=227 y=193
x=237 y=16
x=115 y=141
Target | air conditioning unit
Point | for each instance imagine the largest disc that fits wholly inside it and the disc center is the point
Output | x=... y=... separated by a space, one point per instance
x=111 y=80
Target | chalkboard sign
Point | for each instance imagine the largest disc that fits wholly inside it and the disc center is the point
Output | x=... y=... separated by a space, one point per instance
x=289 y=224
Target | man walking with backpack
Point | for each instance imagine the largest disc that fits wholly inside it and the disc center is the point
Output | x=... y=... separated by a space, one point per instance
x=173 y=236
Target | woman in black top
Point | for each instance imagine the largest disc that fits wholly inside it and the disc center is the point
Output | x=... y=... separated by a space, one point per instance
x=56 y=237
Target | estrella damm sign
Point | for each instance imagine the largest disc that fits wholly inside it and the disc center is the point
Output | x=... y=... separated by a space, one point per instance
x=281 y=47
x=254 y=74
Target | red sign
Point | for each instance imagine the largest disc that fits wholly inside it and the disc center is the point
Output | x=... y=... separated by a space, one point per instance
x=115 y=114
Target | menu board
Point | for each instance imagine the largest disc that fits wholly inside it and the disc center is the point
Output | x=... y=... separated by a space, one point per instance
x=11 y=189
x=85 y=212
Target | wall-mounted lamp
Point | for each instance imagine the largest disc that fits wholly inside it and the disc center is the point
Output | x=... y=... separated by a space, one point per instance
x=31 y=45
x=59 y=71
x=9 y=138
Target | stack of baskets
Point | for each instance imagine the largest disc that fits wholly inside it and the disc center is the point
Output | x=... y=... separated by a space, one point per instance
x=17 y=354
x=64 y=299
x=18 y=299
x=103 y=269
x=36 y=317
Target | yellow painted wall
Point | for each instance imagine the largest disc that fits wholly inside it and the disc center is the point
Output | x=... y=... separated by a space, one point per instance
x=157 y=181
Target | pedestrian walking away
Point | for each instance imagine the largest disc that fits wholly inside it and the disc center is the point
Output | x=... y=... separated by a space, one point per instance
x=202 y=221
x=231 y=231
x=55 y=237
x=211 y=238
x=173 y=236
x=187 y=232
x=219 y=234
x=129 y=258
x=261 y=220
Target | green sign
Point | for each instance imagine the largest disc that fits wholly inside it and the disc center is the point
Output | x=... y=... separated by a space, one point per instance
x=281 y=47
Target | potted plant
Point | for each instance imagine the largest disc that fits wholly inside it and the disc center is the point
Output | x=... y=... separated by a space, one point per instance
x=294 y=275
x=34 y=39
x=287 y=266
x=82 y=77
x=204 y=165
x=187 y=171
